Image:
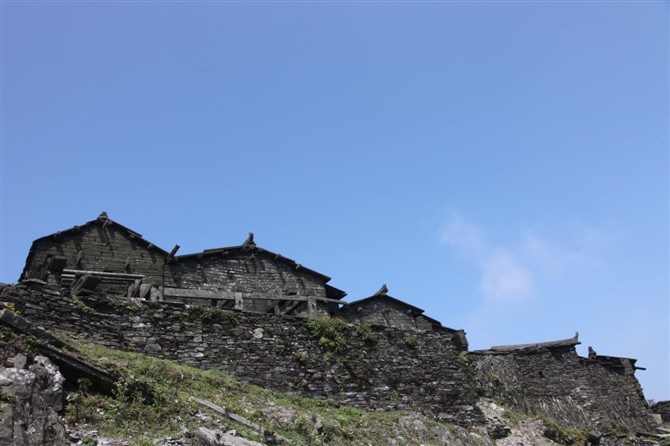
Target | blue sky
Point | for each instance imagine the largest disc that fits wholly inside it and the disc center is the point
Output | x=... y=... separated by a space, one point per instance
x=502 y=165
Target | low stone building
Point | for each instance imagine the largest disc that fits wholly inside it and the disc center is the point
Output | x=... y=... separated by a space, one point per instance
x=382 y=309
x=105 y=255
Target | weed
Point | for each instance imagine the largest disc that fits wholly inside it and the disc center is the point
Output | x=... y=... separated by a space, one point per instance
x=567 y=435
x=515 y=418
x=330 y=331
x=365 y=333
x=11 y=306
x=89 y=441
x=619 y=428
x=410 y=341
x=32 y=341
x=78 y=397
x=301 y=357
x=212 y=316
x=83 y=306
x=7 y=398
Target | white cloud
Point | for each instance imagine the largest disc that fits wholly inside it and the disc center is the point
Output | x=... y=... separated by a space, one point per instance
x=463 y=235
x=511 y=273
x=504 y=279
x=554 y=259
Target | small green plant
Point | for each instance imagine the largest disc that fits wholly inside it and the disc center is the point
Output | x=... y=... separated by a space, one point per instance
x=212 y=315
x=32 y=341
x=83 y=306
x=11 y=306
x=89 y=441
x=619 y=428
x=463 y=357
x=495 y=378
x=515 y=418
x=330 y=331
x=83 y=385
x=300 y=357
x=7 y=398
x=365 y=333
x=410 y=341
x=566 y=435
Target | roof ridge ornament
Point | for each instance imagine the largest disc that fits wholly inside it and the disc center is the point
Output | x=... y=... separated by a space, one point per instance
x=382 y=291
x=250 y=240
x=103 y=216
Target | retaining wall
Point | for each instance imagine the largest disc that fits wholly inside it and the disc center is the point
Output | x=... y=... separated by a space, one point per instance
x=379 y=369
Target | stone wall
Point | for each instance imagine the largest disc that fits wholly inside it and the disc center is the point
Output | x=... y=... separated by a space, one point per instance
x=377 y=368
x=663 y=409
x=560 y=385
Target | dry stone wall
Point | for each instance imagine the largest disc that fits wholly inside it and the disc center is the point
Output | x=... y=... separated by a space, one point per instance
x=374 y=368
x=560 y=385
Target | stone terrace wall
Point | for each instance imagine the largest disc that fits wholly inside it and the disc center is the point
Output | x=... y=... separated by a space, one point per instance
x=564 y=387
x=401 y=368
x=663 y=409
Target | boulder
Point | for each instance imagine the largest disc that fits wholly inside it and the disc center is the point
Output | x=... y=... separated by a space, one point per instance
x=30 y=397
x=210 y=437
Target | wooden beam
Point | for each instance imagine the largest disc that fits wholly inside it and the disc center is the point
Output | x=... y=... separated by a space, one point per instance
x=228 y=295
x=172 y=253
x=77 y=272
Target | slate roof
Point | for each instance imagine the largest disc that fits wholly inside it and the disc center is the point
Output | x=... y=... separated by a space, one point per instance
x=562 y=343
x=617 y=361
x=382 y=295
x=102 y=220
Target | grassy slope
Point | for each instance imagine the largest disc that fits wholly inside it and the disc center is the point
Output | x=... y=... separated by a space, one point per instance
x=153 y=400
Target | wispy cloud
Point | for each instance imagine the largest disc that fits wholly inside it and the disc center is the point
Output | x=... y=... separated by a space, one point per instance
x=463 y=234
x=505 y=279
x=510 y=272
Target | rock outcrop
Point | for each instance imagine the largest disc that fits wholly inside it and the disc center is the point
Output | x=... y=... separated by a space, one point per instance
x=30 y=397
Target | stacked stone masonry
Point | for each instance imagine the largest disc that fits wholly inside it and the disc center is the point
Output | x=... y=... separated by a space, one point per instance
x=558 y=384
x=394 y=369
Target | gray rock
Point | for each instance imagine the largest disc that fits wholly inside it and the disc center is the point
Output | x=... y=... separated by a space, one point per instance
x=210 y=437
x=29 y=401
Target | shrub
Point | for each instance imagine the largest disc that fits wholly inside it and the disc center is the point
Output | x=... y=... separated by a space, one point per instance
x=212 y=315
x=330 y=331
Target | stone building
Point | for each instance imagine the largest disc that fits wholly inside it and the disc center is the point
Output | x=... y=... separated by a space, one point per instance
x=382 y=309
x=105 y=255
x=551 y=380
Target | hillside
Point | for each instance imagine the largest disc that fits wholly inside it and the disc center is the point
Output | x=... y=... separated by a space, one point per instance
x=155 y=403
x=119 y=393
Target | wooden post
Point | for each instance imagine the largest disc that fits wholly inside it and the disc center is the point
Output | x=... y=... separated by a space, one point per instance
x=239 y=301
x=311 y=307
